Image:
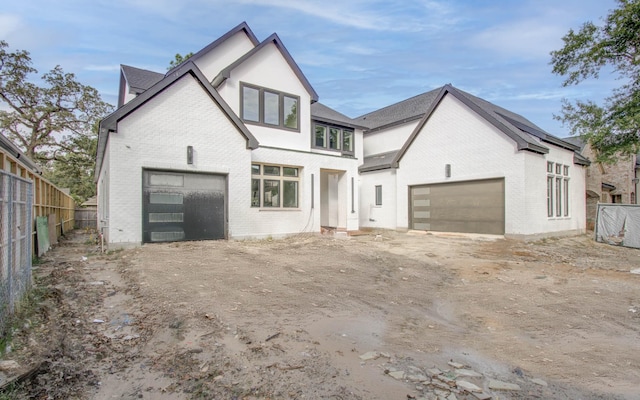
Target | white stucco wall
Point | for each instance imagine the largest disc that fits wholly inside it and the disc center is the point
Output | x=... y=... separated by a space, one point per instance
x=156 y=136
x=388 y=140
x=269 y=69
x=378 y=216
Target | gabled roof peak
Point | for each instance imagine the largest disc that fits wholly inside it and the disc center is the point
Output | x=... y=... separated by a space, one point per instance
x=273 y=39
x=242 y=27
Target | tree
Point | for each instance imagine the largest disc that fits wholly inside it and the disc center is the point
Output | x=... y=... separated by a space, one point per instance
x=179 y=59
x=612 y=128
x=51 y=123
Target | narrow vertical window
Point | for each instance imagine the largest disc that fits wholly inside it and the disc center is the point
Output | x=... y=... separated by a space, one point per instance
x=250 y=104
x=290 y=194
x=566 y=197
x=334 y=138
x=321 y=136
x=558 y=197
x=271 y=108
x=271 y=193
x=347 y=141
x=379 y=195
x=290 y=108
x=550 y=196
x=255 y=193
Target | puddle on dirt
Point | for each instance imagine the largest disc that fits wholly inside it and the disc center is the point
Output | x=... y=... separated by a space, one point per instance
x=345 y=338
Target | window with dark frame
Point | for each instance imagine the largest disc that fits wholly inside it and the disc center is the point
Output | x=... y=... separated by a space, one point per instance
x=378 y=195
x=269 y=107
x=333 y=138
x=274 y=186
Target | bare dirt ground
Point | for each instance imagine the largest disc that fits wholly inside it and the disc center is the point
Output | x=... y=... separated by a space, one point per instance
x=318 y=317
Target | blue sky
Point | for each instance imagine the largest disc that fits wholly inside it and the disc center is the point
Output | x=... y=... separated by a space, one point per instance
x=359 y=55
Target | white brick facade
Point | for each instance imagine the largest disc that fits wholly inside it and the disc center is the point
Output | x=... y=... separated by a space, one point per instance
x=156 y=136
x=199 y=105
x=476 y=150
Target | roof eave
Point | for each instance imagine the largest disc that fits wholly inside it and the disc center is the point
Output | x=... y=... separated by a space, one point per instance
x=239 y=28
x=336 y=122
x=375 y=168
x=109 y=123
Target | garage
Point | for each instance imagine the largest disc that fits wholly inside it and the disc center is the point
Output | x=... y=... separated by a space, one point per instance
x=469 y=207
x=183 y=206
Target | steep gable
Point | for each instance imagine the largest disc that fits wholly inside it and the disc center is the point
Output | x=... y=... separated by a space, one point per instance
x=109 y=124
x=222 y=51
x=134 y=81
x=513 y=125
x=271 y=40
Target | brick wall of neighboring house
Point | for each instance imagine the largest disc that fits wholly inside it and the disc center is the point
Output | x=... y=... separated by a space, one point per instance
x=621 y=175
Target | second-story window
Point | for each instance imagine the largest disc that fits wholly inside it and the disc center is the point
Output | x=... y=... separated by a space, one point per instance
x=333 y=138
x=269 y=107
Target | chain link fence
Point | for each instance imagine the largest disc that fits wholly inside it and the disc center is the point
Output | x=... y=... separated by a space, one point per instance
x=15 y=243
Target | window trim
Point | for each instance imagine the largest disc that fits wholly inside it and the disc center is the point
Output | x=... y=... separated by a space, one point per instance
x=261 y=177
x=262 y=104
x=558 y=201
x=327 y=136
x=378 y=195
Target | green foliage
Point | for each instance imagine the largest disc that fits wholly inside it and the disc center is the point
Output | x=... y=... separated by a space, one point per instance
x=54 y=123
x=612 y=128
x=179 y=59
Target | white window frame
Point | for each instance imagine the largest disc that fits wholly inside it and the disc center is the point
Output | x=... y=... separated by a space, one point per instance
x=558 y=198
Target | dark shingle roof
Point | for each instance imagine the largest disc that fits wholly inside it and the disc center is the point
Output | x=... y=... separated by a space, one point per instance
x=576 y=141
x=139 y=79
x=377 y=162
x=110 y=122
x=407 y=110
x=525 y=133
x=320 y=112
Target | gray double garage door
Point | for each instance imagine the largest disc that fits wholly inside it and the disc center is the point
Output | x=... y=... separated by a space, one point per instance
x=183 y=206
x=469 y=207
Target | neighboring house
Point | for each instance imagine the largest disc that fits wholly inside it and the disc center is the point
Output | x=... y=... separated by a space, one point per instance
x=608 y=183
x=233 y=143
x=449 y=161
x=229 y=144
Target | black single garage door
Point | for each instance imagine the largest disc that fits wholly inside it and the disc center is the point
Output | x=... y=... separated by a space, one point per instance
x=470 y=207
x=183 y=206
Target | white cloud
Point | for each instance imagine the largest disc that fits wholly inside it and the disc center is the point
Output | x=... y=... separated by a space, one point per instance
x=528 y=39
x=366 y=15
x=9 y=24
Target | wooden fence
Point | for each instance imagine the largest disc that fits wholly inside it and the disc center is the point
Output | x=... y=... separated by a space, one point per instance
x=47 y=198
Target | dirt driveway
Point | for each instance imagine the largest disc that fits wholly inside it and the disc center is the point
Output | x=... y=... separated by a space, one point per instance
x=380 y=316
